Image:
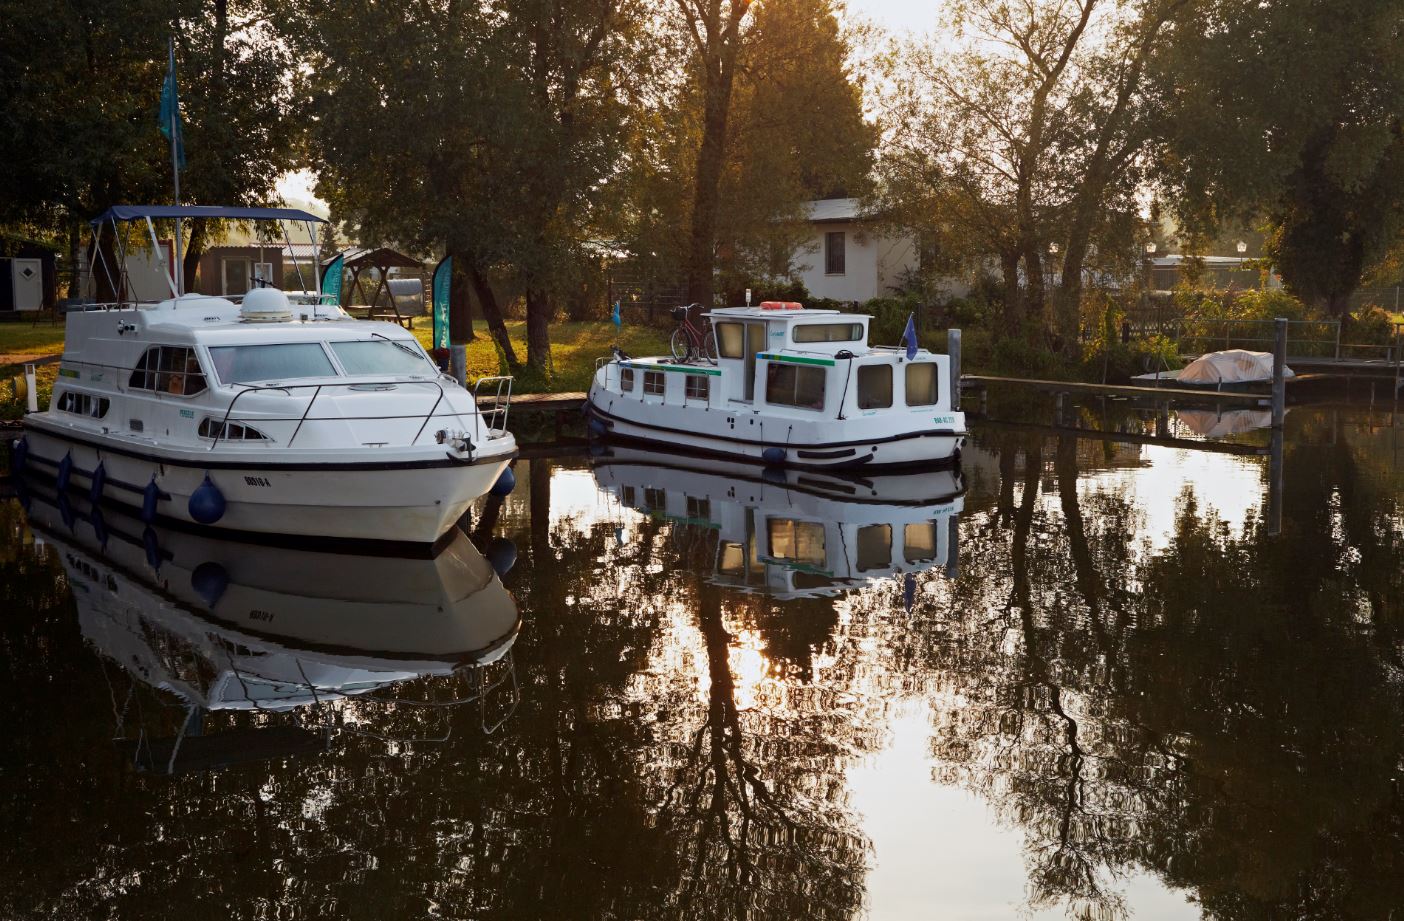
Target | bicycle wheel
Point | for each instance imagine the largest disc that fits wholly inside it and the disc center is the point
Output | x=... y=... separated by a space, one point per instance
x=709 y=347
x=679 y=345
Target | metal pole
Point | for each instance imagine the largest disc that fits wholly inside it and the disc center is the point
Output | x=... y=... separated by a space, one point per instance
x=458 y=363
x=31 y=389
x=953 y=549
x=1274 y=510
x=175 y=168
x=953 y=351
x=1279 y=365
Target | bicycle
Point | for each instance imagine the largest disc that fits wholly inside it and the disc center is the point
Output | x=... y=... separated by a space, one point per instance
x=689 y=342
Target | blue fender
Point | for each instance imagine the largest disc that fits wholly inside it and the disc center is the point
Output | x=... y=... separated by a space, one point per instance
x=98 y=484
x=19 y=453
x=206 y=503
x=209 y=580
x=773 y=455
x=65 y=473
x=505 y=483
x=597 y=426
x=502 y=555
x=152 y=545
x=149 y=497
x=99 y=526
x=66 y=511
x=774 y=475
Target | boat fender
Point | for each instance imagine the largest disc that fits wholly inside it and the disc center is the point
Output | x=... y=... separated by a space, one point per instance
x=774 y=476
x=66 y=511
x=597 y=426
x=206 y=503
x=152 y=545
x=209 y=580
x=599 y=449
x=99 y=524
x=505 y=483
x=773 y=455
x=99 y=482
x=502 y=555
x=149 y=498
x=19 y=453
x=65 y=473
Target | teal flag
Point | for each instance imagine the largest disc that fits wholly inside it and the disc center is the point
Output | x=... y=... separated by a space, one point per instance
x=170 y=112
x=618 y=320
x=331 y=280
x=439 y=290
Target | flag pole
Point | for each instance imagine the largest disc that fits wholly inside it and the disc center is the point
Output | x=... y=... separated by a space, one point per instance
x=179 y=267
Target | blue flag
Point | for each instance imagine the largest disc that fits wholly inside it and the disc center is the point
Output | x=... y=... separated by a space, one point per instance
x=909 y=336
x=615 y=316
x=331 y=280
x=439 y=289
x=170 y=112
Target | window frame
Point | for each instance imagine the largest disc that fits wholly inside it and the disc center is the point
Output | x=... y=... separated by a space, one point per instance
x=658 y=377
x=855 y=328
x=775 y=368
x=626 y=380
x=721 y=328
x=336 y=370
x=935 y=383
x=156 y=380
x=835 y=257
x=692 y=381
x=858 y=395
x=88 y=401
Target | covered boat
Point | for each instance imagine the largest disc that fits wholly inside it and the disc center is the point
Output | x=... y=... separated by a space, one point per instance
x=1229 y=367
x=790 y=387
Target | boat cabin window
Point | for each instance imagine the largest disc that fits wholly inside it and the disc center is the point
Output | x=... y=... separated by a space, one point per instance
x=828 y=332
x=229 y=431
x=874 y=386
x=83 y=404
x=626 y=380
x=698 y=387
x=731 y=340
x=796 y=541
x=874 y=547
x=794 y=385
x=919 y=541
x=922 y=387
x=173 y=370
x=382 y=356
x=286 y=361
x=654 y=384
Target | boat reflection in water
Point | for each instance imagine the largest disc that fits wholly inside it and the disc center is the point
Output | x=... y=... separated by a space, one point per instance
x=232 y=628
x=793 y=534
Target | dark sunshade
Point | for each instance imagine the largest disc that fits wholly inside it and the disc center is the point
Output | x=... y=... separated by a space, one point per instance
x=138 y=212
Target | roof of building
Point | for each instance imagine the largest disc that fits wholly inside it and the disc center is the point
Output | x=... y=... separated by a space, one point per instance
x=381 y=258
x=834 y=210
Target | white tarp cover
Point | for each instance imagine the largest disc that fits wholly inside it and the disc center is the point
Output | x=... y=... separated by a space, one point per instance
x=1234 y=366
x=1213 y=424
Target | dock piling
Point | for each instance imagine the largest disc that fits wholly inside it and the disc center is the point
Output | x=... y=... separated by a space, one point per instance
x=31 y=388
x=1279 y=364
x=953 y=350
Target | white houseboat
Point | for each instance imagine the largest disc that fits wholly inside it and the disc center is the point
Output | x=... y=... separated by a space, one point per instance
x=797 y=533
x=791 y=387
x=263 y=415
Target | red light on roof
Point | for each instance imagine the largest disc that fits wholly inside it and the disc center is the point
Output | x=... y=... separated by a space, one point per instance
x=781 y=305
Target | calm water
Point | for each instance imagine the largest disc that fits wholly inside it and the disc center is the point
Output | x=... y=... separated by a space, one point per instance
x=1083 y=681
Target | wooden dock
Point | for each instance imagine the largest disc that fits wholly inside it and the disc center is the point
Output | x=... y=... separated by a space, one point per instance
x=1125 y=390
x=540 y=402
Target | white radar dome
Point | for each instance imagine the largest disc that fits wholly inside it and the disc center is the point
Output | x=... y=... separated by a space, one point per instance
x=266 y=305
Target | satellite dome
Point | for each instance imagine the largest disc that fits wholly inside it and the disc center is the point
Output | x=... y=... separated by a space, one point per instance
x=266 y=305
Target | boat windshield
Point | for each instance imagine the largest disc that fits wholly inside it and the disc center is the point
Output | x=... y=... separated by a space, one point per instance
x=284 y=361
x=382 y=356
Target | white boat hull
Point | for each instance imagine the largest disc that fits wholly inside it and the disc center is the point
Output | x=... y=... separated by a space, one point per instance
x=404 y=496
x=855 y=444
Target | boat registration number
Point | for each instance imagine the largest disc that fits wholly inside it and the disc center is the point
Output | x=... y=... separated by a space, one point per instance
x=944 y=420
x=257 y=481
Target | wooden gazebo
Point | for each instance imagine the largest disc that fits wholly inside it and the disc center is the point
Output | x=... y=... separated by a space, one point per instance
x=382 y=259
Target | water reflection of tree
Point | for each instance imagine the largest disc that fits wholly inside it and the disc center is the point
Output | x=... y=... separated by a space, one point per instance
x=1224 y=712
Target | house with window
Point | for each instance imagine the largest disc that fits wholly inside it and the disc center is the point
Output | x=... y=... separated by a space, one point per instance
x=227 y=270
x=848 y=257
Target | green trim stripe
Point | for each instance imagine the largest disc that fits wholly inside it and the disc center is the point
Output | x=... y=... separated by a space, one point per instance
x=796 y=360
x=682 y=369
x=68 y=372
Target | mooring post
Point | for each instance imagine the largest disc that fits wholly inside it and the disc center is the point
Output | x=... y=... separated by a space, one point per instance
x=1279 y=365
x=31 y=388
x=953 y=549
x=953 y=350
x=1274 y=510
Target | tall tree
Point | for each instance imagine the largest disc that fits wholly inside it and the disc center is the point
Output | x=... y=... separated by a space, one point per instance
x=1293 y=112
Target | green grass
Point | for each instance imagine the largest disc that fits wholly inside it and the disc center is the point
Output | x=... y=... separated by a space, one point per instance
x=21 y=339
x=574 y=348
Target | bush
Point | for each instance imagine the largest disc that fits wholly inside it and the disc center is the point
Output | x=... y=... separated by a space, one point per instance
x=1116 y=362
x=1370 y=325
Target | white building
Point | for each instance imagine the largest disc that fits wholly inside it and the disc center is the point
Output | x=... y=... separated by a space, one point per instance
x=847 y=257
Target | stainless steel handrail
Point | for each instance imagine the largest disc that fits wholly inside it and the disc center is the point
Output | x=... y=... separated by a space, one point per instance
x=499 y=405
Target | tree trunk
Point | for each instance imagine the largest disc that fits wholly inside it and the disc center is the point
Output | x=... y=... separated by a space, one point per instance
x=460 y=315
x=706 y=193
x=75 y=256
x=538 y=321
x=1013 y=303
x=493 y=315
x=194 y=249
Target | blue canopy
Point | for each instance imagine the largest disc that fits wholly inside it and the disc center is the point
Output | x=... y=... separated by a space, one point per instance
x=140 y=212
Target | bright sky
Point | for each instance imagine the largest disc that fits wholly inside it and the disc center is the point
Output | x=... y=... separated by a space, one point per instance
x=897 y=16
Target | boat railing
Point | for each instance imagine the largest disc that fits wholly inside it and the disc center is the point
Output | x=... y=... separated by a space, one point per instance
x=358 y=384
x=493 y=407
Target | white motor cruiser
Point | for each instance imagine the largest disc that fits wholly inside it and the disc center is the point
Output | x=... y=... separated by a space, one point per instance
x=263 y=415
x=789 y=387
x=793 y=534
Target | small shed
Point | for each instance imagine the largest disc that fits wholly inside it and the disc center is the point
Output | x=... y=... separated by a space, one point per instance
x=381 y=260
x=28 y=275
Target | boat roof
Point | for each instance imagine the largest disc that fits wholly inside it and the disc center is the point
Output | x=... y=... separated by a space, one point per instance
x=761 y=313
x=140 y=212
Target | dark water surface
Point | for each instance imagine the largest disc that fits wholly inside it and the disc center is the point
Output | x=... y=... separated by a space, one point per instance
x=1092 y=685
